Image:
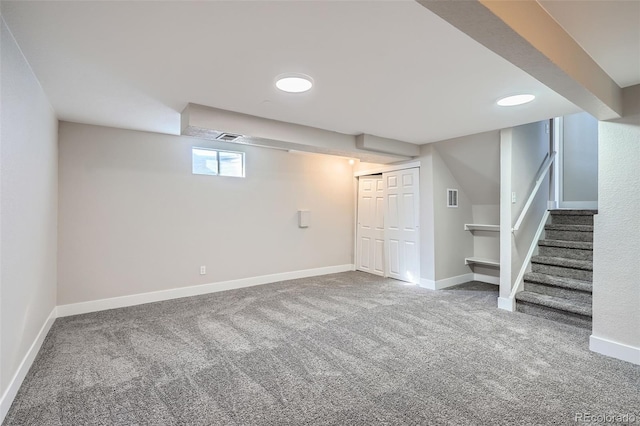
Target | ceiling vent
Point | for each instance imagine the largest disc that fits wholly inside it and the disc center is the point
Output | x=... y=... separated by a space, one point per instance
x=228 y=137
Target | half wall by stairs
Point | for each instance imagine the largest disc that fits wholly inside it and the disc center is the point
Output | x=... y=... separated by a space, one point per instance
x=559 y=286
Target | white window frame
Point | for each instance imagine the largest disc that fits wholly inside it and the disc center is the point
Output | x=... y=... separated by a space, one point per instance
x=218 y=151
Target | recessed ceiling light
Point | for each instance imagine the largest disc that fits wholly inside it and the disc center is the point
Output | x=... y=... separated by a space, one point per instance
x=294 y=83
x=516 y=100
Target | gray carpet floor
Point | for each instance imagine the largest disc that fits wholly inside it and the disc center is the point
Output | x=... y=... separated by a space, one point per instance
x=342 y=349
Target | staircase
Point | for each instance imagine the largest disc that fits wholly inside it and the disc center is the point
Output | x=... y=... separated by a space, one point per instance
x=560 y=284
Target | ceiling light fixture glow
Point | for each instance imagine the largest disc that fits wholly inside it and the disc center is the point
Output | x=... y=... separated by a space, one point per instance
x=294 y=83
x=516 y=100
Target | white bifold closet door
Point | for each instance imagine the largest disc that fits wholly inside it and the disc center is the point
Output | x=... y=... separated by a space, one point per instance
x=370 y=231
x=401 y=226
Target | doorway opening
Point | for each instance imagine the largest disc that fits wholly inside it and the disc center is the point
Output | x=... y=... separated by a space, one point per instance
x=575 y=139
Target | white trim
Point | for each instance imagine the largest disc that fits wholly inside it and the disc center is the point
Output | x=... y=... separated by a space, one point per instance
x=388 y=168
x=356 y=193
x=579 y=205
x=460 y=279
x=480 y=261
x=614 y=349
x=507 y=304
x=558 y=145
x=175 y=293
x=505 y=236
x=15 y=383
x=428 y=284
x=481 y=227
x=489 y=279
x=445 y=283
x=527 y=259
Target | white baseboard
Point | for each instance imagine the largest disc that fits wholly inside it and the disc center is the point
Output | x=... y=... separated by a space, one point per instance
x=507 y=304
x=579 y=205
x=175 y=293
x=428 y=284
x=25 y=365
x=460 y=279
x=489 y=279
x=445 y=283
x=614 y=349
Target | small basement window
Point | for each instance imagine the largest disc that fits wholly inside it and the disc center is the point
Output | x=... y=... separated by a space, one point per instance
x=216 y=162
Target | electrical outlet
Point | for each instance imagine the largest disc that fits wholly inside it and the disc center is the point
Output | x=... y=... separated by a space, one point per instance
x=203 y=270
x=513 y=198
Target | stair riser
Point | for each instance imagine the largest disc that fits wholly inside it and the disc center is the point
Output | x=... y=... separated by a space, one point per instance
x=558 y=282
x=567 y=253
x=554 y=315
x=559 y=271
x=552 y=234
x=563 y=219
x=565 y=293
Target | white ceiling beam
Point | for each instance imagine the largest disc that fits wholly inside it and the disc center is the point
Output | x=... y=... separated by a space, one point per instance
x=386 y=145
x=208 y=123
x=523 y=33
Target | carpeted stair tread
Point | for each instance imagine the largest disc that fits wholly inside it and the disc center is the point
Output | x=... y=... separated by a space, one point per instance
x=574 y=212
x=551 y=280
x=573 y=228
x=555 y=315
x=581 y=245
x=559 y=286
x=566 y=252
x=555 y=303
x=584 y=265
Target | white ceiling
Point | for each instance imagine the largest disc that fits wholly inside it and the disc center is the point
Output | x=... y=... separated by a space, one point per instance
x=609 y=31
x=386 y=68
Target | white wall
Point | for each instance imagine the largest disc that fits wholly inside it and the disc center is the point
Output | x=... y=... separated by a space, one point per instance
x=452 y=242
x=530 y=145
x=28 y=209
x=470 y=164
x=427 y=216
x=616 y=256
x=523 y=150
x=487 y=244
x=133 y=218
x=579 y=158
x=475 y=162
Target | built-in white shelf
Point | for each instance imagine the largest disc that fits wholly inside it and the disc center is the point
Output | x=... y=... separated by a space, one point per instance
x=481 y=261
x=480 y=227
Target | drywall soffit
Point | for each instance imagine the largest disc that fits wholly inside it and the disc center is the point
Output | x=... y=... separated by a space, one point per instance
x=523 y=33
x=208 y=123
